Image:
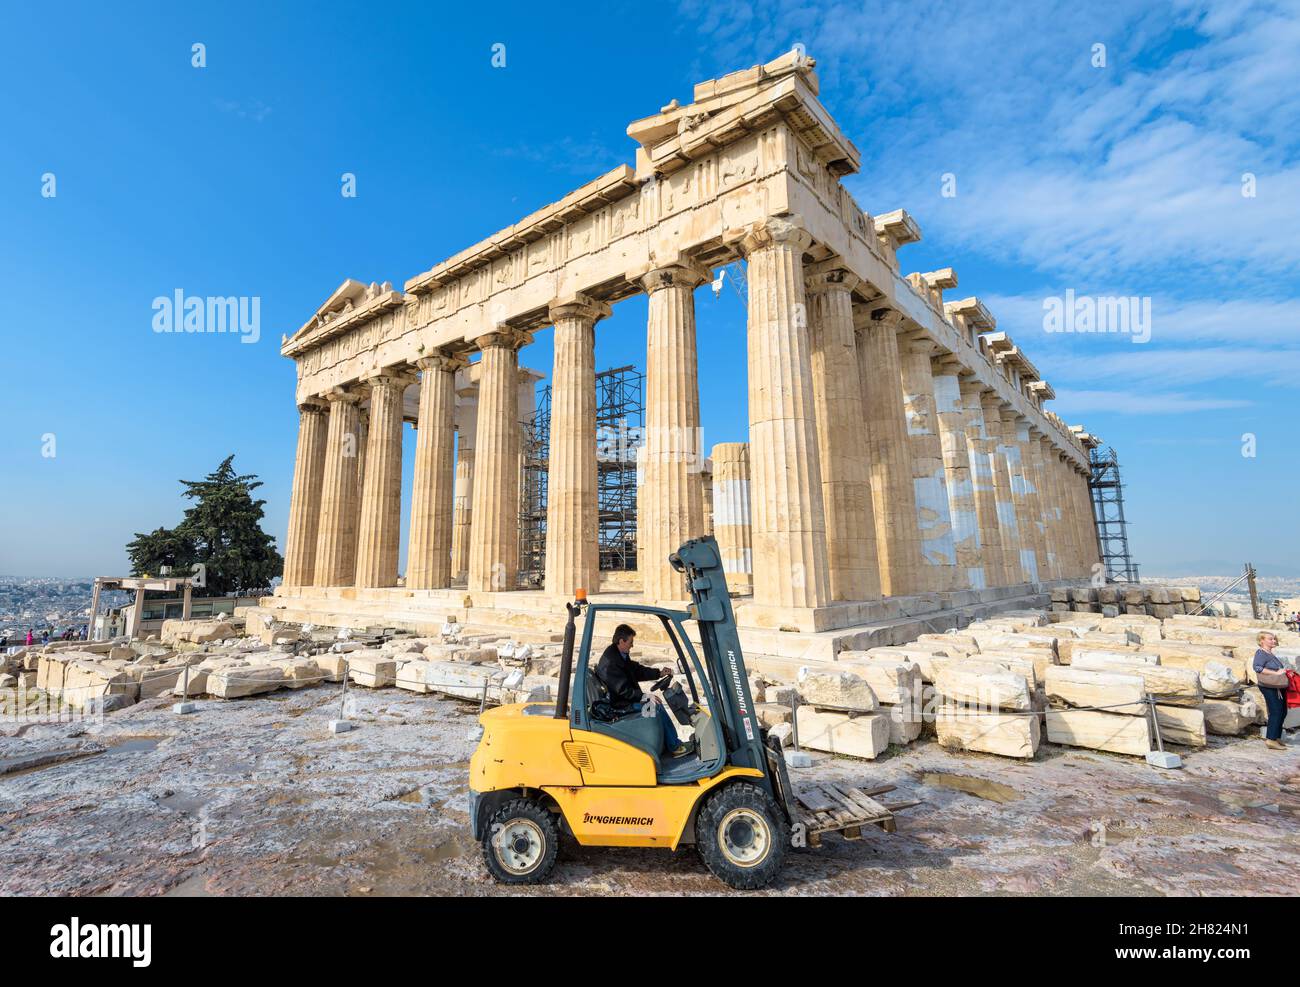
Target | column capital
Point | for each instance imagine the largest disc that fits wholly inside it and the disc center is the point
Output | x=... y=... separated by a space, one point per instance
x=681 y=273
x=877 y=319
x=503 y=337
x=442 y=360
x=775 y=230
x=388 y=377
x=830 y=275
x=579 y=306
x=313 y=406
x=348 y=394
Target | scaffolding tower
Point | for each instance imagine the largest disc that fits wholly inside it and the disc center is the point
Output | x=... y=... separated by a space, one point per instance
x=1108 y=508
x=620 y=419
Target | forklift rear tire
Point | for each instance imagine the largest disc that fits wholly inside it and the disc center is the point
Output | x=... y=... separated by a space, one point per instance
x=740 y=836
x=521 y=842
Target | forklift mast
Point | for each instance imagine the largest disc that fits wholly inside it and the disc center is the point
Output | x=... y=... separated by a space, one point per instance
x=701 y=562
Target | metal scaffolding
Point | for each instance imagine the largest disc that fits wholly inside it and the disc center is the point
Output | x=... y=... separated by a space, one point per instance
x=1108 y=508
x=620 y=418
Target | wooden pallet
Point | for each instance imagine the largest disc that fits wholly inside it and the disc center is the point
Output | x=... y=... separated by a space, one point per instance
x=828 y=807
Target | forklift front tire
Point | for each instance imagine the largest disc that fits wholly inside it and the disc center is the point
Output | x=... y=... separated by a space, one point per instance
x=740 y=835
x=521 y=842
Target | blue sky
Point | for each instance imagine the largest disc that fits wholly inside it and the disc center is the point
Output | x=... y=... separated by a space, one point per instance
x=1123 y=179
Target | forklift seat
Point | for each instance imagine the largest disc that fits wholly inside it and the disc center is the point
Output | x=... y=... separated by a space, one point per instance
x=644 y=732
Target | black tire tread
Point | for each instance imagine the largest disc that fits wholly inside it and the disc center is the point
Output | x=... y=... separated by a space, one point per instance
x=538 y=813
x=717 y=804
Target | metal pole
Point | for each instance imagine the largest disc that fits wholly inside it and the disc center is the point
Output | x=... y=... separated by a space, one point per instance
x=1155 y=723
x=185 y=684
x=1254 y=593
x=794 y=718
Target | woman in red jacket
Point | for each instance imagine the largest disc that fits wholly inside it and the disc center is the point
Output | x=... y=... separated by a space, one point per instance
x=1270 y=673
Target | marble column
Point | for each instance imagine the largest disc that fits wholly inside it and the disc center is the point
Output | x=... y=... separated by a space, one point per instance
x=1055 y=529
x=933 y=516
x=1088 y=522
x=731 y=516
x=841 y=440
x=893 y=496
x=1014 y=450
x=572 y=548
x=336 y=540
x=304 y=502
x=1032 y=502
x=1008 y=526
x=379 y=537
x=1038 y=499
x=789 y=518
x=428 y=553
x=494 y=533
x=670 y=508
x=462 y=509
x=950 y=416
x=980 y=449
x=1069 y=529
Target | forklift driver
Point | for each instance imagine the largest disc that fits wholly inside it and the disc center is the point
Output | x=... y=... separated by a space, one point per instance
x=621 y=674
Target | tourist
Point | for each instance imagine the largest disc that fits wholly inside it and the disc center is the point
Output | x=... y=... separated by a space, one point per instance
x=1270 y=673
x=45 y=635
x=29 y=637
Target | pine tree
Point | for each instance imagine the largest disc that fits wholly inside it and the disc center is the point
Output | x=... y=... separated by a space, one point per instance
x=222 y=532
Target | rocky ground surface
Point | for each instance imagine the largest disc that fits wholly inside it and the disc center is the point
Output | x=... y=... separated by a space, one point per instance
x=256 y=797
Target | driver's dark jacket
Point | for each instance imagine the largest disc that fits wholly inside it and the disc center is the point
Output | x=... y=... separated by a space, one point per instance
x=621 y=675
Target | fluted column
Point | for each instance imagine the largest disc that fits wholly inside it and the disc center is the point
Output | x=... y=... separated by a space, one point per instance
x=789 y=519
x=1058 y=527
x=1038 y=500
x=841 y=440
x=462 y=509
x=428 y=553
x=950 y=416
x=1008 y=526
x=731 y=516
x=893 y=495
x=494 y=533
x=1073 y=550
x=572 y=549
x=980 y=449
x=933 y=517
x=670 y=507
x=1087 y=522
x=1033 y=515
x=336 y=540
x=304 y=502
x=1013 y=450
x=380 y=526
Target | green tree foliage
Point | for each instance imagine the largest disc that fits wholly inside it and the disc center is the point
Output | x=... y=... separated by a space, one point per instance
x=222 y=532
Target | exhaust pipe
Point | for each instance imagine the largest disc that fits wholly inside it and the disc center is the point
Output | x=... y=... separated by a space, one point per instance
x=566 y=656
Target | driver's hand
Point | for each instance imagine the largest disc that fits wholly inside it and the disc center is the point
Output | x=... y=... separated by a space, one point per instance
x=668 y=672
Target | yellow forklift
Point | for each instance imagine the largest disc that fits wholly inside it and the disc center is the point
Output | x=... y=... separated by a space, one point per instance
x=599 y=773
